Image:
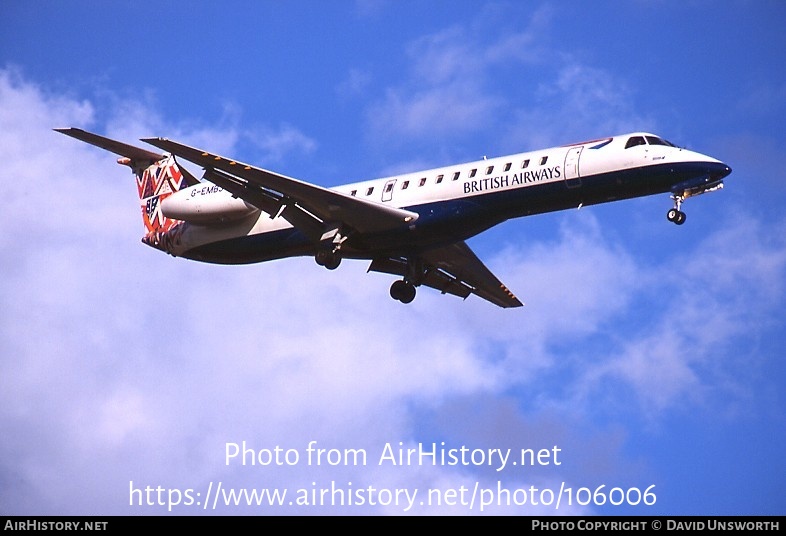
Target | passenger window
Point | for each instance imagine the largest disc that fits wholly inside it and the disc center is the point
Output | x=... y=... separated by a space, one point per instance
x=634 y=141
x=439 y=178
x=389 y=187
x=353 y=193
x=543 y=160
x=489 y=170
x=370 y=191
x=507 y=166
x=422 y=181
x=525 y=163
x=405 y=185
x=472 y=173
x=456 y=175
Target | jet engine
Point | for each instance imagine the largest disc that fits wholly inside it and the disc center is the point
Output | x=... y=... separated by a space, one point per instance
x=205 y=203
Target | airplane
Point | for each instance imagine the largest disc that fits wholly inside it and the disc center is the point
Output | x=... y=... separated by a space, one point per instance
x=413 y=225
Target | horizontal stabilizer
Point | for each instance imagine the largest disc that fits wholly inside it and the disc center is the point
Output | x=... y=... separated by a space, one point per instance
x=119 y=148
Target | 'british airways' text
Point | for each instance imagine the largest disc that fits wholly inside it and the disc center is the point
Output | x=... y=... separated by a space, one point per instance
x=503 y=181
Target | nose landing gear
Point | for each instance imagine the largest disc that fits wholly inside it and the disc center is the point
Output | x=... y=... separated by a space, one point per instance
x=675 y=215
x=691 y=188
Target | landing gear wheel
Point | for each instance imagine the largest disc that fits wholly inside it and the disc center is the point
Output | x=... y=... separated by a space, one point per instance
x=676 y=216
x=402 y=291
x=328 y=259
x=333 y=261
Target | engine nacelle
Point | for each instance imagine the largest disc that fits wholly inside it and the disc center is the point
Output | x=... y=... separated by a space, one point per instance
x=205 y=203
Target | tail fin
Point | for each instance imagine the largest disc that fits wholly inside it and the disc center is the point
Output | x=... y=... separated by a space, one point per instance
x=155 y=182
x=157 y=177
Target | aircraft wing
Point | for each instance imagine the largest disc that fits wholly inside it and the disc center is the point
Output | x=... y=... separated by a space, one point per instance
x=456 y=270
x=296 y=201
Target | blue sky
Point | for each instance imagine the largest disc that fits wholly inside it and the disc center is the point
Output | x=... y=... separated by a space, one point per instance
x=651 y=354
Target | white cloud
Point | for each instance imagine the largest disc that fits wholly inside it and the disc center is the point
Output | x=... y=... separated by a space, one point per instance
x=277 y=143
x=446 y=93
x=580 y=102
x=450 y=110
x=719 y=296
x=453 y=88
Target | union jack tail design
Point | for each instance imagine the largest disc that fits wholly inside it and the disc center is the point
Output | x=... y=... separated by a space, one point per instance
x=156 y=182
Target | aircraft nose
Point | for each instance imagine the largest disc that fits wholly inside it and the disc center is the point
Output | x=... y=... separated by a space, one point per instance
x=721 y=171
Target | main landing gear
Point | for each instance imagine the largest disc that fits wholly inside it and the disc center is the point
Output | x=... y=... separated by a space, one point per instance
x=328 y=258
x=675 y=215
x=403 y=291
x=329 y=251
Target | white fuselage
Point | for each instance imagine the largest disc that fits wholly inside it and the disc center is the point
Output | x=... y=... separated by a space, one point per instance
x=565 y=175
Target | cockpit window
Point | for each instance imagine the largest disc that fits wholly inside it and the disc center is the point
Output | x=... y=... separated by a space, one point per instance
x=654 y=140
x=634 y=141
